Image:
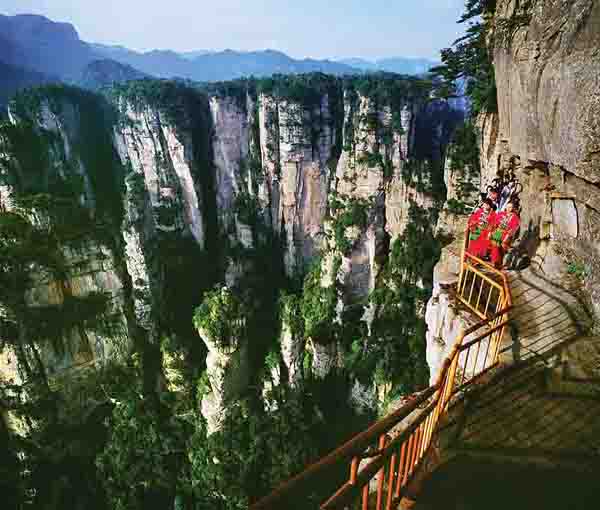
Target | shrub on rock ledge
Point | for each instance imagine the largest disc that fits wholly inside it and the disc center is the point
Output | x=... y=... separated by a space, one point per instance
x=221 y=317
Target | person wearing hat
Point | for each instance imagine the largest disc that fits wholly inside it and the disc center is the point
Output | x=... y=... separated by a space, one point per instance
x=480 y=226
x=504 y=230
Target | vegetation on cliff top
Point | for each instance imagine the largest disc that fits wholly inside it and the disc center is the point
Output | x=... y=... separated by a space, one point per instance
x=309 y=89
x=181 y=103
x=222 y=317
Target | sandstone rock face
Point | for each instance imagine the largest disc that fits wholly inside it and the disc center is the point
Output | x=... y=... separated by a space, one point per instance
x=444 y=325
x=387 y=192
x=491 y=147
x=138 y=232
x=92 y=269
x=296 y=145
x=548 y=87
x=234 y=157
x=275 y=152
x=359 y=180
x=549 y=106
x=382 y=172
x=162 y=198
x=564 y=218
x=546 y=131
x=93 y=266
x=228 y=370
x=292 y=352
x=231 y=141
x=151 y=146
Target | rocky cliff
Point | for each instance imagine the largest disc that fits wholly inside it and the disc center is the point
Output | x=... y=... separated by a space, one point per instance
x=244 y=185
x=548 y=109
x=46 y=147
x=546 y=61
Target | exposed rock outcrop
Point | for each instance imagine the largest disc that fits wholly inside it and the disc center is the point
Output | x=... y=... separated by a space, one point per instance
x=546 y=131
x=93 y=265
x=237 y=173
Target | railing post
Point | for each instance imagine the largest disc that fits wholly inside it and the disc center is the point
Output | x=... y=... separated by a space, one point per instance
x=353 y=470
x=451 y=375
x=462 y=258
x=390 y=488
x=382 y=443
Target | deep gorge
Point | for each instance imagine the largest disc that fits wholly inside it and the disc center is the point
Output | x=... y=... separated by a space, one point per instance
x=248 y=243
x=206 y=287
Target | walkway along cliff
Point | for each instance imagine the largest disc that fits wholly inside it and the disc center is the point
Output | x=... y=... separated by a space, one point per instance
x=472 y=405
x=520 y=386
x=234 y=267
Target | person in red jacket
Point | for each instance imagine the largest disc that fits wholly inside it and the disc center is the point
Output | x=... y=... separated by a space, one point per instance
x=480 y=225
x=505 y=229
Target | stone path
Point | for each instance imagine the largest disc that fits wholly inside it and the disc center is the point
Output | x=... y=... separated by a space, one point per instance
x=469 y=484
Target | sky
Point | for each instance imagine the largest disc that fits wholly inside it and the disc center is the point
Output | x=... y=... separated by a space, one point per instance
x=302 y=28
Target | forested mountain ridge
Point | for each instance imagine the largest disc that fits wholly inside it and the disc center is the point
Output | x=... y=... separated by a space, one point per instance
x=234 y=245
x=204 y=288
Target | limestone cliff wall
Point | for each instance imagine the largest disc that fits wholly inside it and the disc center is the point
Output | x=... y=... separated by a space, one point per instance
x=94 y=265
x=547 y=61
x=225 y=174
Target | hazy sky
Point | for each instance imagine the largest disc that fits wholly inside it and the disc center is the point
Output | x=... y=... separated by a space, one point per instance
x=302 y=28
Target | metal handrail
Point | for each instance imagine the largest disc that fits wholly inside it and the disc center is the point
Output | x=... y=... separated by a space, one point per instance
x=397 y=461
x=352 y=448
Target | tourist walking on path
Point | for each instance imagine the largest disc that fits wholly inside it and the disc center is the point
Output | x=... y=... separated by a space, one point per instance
x=503 y=232
x=480 y=226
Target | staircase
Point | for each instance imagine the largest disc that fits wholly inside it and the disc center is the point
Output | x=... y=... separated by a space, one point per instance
x=490 y=401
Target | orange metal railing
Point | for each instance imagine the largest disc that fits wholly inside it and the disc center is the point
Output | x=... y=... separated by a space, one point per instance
x=384 y=459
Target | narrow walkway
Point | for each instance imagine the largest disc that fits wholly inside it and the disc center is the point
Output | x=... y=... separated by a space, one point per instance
x=545 y=317
x=517 y=414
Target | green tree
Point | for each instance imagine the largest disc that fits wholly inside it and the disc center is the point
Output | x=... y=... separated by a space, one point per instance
x=469 y=59
x=144 y=455
x=259 y=445
x=319 y=304
x=222 y=315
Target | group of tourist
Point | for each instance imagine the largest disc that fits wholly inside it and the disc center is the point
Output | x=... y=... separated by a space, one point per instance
x=493 y=226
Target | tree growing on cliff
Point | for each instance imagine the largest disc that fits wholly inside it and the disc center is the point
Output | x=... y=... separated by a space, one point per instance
x=469 y=60
x=144 y=454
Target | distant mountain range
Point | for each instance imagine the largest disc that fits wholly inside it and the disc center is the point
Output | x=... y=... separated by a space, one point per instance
x=400 y=65
x=219 y=66
x=34 y=50
x=205 y=65
x=101 y=73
